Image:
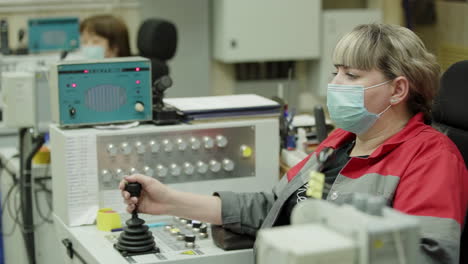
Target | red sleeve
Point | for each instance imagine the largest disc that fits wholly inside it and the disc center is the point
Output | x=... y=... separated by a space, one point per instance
x=434 y=185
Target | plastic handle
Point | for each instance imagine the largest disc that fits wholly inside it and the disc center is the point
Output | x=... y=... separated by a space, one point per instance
x=134 y=188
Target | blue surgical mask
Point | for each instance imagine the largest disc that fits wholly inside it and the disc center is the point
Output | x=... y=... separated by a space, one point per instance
x=347 y=110
x=95 y=52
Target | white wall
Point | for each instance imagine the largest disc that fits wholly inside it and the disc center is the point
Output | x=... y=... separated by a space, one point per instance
x=335 y=24
x=193 y=69
x=191 y=66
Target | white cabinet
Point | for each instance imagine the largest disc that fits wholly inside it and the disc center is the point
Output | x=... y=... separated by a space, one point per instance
x=336 y=23
x=266 y=30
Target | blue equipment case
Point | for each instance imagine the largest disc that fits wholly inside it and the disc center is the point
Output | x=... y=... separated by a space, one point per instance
x=107 y=91
x=53 y=34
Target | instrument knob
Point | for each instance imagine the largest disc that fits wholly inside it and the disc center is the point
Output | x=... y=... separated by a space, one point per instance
x=139 y=107
x=221 y=141
x=215 y=166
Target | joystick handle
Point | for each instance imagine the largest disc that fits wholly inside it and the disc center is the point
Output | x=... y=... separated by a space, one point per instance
x=134 y=188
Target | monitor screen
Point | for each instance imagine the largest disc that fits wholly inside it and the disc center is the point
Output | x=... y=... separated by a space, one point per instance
x=53 y=34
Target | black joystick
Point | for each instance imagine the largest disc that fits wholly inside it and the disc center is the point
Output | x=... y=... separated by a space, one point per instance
x=164 y=114
x=135 y=238
x=134 y=188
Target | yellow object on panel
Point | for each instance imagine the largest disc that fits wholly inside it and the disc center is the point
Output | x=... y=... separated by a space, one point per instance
x=107 y=219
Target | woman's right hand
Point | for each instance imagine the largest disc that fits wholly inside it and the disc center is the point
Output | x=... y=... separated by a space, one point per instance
x=154 y=195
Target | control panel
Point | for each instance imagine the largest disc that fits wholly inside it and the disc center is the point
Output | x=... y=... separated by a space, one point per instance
x=89 y=163
x=101 y=92
x=178 y=241
x=177 y=156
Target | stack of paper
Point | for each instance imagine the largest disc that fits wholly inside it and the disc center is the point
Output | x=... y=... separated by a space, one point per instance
x=243 y=105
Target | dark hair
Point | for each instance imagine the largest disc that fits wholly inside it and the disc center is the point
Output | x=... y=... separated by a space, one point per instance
x=111 y=28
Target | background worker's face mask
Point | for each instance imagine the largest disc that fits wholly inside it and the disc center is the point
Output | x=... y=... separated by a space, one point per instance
x=95 y=52
x=347 y=110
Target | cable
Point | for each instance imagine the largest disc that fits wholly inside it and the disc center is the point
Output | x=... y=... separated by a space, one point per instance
x=43 y=188
x=48 y=191
x=18 y=211
x=22 y=211
x=26 y=207
x=5 y=167
x=14 y=214
x=17 y=217
x=6 y=204
x=44 y=178
x=45 y=219
x=14 y=182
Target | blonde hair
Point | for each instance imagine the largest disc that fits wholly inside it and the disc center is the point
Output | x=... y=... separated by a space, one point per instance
x=395 y=51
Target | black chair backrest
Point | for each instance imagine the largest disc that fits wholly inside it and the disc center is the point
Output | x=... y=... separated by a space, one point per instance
x=450 y=115
x=450 y=111
x=157 y=40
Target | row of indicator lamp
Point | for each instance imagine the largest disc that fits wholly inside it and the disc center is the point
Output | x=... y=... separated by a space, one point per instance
x=137 y=69
x=74 y=85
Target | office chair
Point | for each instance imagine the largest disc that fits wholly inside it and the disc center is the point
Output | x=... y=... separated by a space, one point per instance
x=157 y=41
x=449 y=116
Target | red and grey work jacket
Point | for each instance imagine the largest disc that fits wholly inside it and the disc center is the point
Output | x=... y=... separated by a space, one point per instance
x=419 y=171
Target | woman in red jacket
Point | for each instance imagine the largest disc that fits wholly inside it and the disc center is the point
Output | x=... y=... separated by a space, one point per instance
x=380 y=99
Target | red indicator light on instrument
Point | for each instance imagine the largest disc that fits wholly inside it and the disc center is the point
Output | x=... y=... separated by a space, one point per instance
x=73 y=85
x=85 y=71
x=137 y=81
x=137 y=69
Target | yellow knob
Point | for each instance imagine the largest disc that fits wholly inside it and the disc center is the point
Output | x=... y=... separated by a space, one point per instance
x=246 y=151
x=378 y=244
x=174 y=231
